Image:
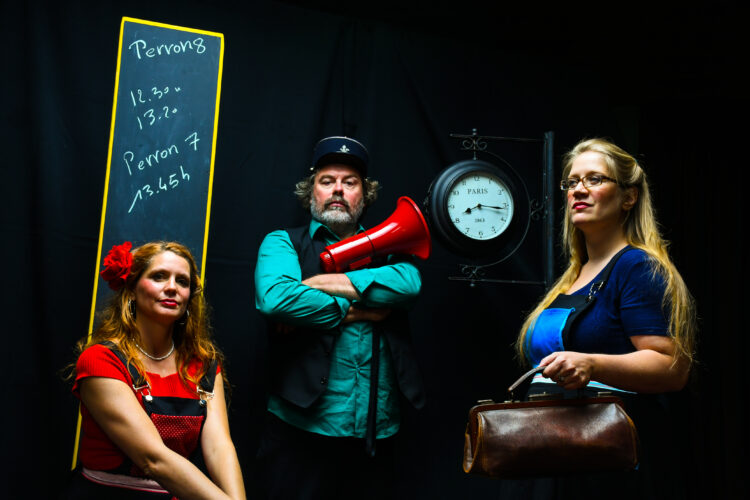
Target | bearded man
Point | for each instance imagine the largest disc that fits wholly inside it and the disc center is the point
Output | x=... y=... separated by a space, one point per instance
x=340 y=348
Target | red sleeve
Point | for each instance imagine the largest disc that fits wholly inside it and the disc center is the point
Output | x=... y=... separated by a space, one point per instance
x=99 y=361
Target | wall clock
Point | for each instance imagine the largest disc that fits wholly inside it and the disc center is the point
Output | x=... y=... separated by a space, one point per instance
x=477 y=209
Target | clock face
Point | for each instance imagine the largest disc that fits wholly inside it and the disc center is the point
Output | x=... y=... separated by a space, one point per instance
x=480 y=205
x=478 y=210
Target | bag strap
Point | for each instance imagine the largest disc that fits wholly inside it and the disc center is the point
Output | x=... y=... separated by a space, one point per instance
x=604 y=276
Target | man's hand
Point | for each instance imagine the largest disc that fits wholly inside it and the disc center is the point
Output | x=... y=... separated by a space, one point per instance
x=365 y=314
x=283 y=328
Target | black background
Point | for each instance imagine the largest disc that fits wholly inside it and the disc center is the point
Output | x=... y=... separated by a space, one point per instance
x=662 y=79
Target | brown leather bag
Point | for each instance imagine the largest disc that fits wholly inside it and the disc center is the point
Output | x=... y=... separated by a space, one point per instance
x=549 y=437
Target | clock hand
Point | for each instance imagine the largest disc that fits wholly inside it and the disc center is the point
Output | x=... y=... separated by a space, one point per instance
x=479 y=205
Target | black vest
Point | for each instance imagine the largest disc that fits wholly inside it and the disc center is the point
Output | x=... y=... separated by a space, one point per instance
x=300 y=361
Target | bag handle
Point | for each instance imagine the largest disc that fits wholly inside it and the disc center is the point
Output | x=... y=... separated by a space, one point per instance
x=524 y=381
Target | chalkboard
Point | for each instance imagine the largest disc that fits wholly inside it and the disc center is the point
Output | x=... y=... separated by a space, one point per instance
x=161 y=145
x=162 y=140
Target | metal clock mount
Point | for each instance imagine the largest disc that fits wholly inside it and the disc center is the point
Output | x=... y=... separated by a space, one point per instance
x=481 y=210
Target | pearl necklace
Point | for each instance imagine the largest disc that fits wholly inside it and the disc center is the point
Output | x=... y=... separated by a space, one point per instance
x=155 y=358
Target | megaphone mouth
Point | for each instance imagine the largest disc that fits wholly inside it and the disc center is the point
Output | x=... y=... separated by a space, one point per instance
x=404 y=232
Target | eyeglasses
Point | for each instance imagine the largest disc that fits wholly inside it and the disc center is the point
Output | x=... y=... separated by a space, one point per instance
x=588 y=182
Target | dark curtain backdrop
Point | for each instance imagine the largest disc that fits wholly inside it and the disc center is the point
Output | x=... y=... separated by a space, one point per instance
x=660 y=79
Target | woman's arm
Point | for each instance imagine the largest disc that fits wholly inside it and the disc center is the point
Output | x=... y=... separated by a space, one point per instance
x=116 y=410
x=652 y=368
x=218 y=449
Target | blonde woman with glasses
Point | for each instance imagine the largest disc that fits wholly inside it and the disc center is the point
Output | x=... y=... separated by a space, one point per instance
x=620 y=318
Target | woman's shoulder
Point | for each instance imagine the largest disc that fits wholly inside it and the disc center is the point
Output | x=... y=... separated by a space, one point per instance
x=636 y=267
x=98 y=352
x=99 y=360
x=634 y=255
x=633 y=258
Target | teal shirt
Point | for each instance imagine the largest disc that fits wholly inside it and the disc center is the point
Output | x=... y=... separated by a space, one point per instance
x=341 y=410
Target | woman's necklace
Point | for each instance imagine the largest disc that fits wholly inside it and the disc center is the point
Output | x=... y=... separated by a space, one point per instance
x=160 y=358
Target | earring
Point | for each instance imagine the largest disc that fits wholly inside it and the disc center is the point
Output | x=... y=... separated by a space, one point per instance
x=183 y=321
x=131 y=306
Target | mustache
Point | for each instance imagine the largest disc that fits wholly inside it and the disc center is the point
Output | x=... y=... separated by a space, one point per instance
x=336 y=199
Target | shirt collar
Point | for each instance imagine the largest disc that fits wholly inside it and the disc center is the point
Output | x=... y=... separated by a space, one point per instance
x=316 y=226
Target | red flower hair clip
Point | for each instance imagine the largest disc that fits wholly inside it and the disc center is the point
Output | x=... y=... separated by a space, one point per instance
x=117 y=265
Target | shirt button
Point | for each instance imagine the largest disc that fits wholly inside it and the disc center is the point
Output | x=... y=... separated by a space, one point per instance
x=323 y=380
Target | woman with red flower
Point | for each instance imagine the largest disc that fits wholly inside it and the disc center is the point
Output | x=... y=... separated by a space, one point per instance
x=154 y=419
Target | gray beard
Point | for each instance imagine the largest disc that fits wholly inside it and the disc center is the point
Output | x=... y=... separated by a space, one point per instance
x=341 y=222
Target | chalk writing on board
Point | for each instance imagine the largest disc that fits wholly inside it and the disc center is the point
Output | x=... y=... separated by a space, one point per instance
x=154 y=114
x=140 y=47
x=138 y=96
x=192 y=140
x=149 y=190
x=151 y=116
x=154 y=160
x=150 y=160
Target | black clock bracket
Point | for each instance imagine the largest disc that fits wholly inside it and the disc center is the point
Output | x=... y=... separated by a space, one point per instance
x=480 y=208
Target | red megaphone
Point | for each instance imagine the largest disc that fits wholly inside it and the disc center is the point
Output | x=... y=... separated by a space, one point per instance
x=405 y=231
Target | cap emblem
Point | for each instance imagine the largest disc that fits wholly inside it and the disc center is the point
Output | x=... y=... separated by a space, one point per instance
x=344 y=149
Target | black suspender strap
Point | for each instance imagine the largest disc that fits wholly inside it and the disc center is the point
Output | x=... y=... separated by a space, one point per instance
x=205 y=385
x=207 y=382
x=139 y=382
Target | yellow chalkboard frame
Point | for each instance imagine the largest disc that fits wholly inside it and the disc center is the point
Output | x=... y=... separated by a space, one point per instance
x=220 y=36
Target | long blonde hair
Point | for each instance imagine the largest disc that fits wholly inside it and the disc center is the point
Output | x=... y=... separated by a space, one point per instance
x=192 y=337
x=641 y=231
